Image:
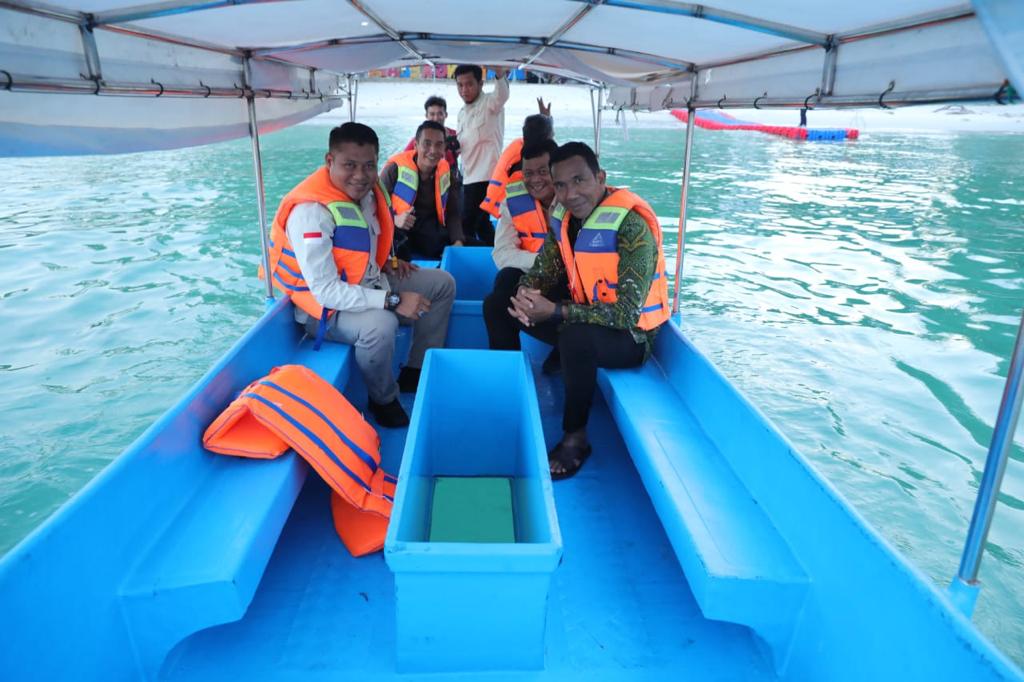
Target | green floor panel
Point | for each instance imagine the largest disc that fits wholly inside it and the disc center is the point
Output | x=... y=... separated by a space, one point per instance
x=472 y=509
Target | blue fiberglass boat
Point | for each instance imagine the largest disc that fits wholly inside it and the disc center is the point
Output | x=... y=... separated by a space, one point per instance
x=696 y=542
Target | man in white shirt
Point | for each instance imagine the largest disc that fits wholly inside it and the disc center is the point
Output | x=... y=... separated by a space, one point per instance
x=481 y=132
x=331 y=253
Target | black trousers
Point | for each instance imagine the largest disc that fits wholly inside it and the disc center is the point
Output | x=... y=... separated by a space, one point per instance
x=583 y=347
x=426 y=240
x=476 y=223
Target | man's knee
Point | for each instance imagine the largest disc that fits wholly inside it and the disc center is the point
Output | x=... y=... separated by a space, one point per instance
x=446 y=285
x=437 y=285
x=379 y=330
x=507 y=280
x=575 y=339
x=501 y=292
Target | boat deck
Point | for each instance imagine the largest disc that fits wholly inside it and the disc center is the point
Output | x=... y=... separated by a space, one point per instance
x=620 y=606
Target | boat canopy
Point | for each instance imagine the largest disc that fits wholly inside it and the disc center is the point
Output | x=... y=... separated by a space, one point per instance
x=188 y=65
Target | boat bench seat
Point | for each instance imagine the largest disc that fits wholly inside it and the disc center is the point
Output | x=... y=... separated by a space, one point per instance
x=204 y=567
x=739 y=567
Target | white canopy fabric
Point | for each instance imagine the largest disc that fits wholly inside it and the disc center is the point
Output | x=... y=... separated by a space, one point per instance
x=650 y=55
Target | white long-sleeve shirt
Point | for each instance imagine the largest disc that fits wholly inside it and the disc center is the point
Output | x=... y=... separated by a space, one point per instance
x=481 y=132
x=310 y=229
x=507 y=253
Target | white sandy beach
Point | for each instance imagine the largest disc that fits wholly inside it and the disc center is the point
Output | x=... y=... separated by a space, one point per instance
x=400 y=101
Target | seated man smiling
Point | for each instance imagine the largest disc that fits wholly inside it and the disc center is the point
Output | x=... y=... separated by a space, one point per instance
x=522 y=228
x=425 y=196
x=331 y=254
x=605 y=246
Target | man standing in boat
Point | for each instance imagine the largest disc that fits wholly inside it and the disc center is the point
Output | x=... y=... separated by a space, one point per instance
x=424 y=196
x=331 y=254
x=481 y=131
x=605 y=245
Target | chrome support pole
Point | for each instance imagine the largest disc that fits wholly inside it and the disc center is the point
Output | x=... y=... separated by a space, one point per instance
x=355 y=97
x=964 y=587
x=593 y=116
x=261 y=201
x=683 y=192
x=597 y=126
x=351 y=103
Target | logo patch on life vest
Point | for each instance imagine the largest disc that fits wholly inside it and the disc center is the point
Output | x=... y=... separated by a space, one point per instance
x=597 y=240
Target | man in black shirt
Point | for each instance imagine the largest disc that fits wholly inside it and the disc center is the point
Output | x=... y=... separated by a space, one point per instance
x=422 y=231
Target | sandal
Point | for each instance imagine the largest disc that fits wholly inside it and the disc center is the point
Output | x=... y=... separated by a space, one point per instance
x=569 y=457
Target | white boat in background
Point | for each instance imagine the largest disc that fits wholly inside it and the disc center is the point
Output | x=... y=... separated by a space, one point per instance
x=701 y=544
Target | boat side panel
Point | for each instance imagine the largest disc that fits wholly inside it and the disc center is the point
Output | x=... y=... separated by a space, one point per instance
x=869 y=614
x=59 y=587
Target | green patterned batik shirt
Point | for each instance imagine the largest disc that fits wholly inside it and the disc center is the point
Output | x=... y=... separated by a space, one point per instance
x=638 y=259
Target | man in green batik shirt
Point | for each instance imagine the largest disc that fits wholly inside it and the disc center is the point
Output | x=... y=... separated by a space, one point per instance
x=609 y=330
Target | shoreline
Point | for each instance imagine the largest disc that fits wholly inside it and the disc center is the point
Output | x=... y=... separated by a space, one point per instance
x=402 y=102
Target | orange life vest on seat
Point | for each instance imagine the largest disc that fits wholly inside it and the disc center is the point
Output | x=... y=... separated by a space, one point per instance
x=403 y=197
x=528 y=217
x=501 y=176
x=593 y=266
x=292 y=407
x=351 y=248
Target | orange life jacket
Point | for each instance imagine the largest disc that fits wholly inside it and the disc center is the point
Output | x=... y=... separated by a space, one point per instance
x=528 y=216
x=403 y=197
x=501 y=176
x=292 y=407
x=593 y=266
x=351 y=248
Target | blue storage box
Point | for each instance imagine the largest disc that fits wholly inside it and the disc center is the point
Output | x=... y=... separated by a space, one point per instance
x=474 y=272
x=473 y=606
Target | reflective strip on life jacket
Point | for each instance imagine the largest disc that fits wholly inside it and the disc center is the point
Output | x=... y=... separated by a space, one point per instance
x=593 y=265
x=293 y=407
x=501 y=176
x=527 y=217
x=407 y=183
x=350 y=240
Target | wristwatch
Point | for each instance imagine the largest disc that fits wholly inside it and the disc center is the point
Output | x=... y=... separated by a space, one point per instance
x=391 y=302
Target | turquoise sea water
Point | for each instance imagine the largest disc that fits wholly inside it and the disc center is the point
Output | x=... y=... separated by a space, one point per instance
x=865 y=296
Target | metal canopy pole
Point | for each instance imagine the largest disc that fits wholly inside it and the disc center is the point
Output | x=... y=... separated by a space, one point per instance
x=595 y=115
x=257 y=162
x=683 y=192
x=355 y=97
x=964 y=588
x=351 y=104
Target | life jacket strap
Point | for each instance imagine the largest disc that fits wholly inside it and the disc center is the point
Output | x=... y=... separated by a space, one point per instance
x=321 y=329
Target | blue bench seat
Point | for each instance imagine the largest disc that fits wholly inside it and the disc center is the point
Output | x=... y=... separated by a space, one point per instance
x=204 y=567
x=738 y=565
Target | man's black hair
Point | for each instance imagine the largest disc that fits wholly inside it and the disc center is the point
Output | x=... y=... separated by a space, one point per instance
x=356 y=133
x=531 y=150
x=477 y=72
x=435 y=101
x=430 y=125
x=571 y=149
x=537 y=127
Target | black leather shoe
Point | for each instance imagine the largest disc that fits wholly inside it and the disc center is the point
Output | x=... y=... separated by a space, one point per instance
x=408 y=380
x=552 y=363
x=392 y=415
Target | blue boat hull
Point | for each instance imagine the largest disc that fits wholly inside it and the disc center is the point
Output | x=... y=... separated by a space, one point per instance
x=696 y=542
